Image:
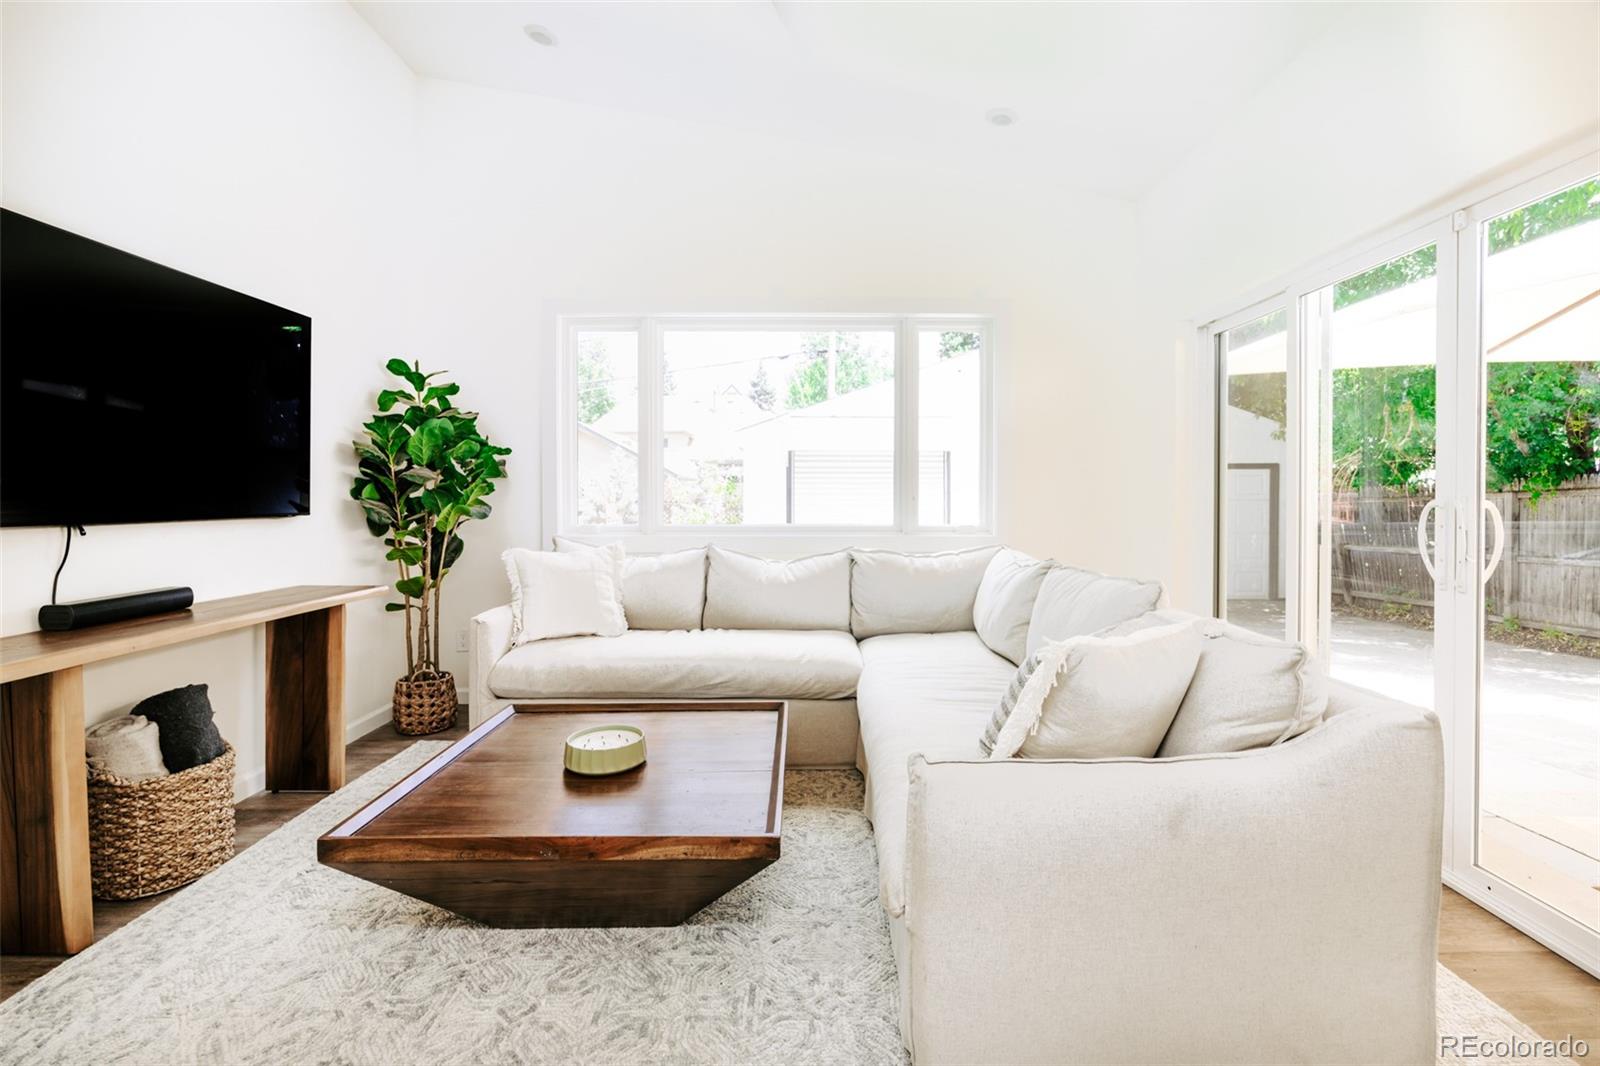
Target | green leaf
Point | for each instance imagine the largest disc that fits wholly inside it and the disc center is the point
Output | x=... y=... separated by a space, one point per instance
x=388 y=398
x=370 y=492
x=397 y=367
x=394 y=607
x=411 y=586
x=439 y=392
x=428 y=438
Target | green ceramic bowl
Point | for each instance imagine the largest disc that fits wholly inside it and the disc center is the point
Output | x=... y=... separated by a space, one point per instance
x=604 y=749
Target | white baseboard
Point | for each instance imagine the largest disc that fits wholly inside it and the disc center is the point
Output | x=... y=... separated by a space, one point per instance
x=356 y=728
x=362 y=724
x=248 y=783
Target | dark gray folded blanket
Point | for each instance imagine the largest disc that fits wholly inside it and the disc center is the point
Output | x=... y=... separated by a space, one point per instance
x=189 y=734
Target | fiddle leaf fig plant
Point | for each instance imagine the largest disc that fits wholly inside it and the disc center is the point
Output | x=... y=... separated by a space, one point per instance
x=423 y=471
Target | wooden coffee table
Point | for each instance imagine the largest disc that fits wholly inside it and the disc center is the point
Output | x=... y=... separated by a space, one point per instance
x=495 y=828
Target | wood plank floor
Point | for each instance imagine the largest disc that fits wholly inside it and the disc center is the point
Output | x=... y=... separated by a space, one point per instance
x=1549 y=994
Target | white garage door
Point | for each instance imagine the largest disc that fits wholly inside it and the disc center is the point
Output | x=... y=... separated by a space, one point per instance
x=1249 y=532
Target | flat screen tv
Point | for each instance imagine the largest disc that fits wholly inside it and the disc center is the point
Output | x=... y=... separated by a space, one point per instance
x=133 y=392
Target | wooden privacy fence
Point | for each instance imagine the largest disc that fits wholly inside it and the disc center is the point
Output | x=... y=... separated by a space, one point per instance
x=1549 y=572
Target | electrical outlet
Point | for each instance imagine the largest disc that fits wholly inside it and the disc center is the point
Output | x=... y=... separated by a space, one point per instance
x=461 y=640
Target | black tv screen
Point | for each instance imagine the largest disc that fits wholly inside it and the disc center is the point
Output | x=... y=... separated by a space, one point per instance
x=133 y=392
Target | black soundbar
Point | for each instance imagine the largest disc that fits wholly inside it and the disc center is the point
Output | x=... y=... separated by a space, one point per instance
x=59 y=616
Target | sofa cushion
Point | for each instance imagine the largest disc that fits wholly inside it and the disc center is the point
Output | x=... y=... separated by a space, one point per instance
x=893 y=592
x=557 y=595
x=1101 y=697
x=919 y=692
x=748 y=592
x=1076 y=603
x=666 y=591
x=1004 y=604
x=683 y=664
x=1249 y=690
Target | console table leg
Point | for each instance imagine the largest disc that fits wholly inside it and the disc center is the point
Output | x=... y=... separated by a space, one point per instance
x=46 y=900
x=305 y=702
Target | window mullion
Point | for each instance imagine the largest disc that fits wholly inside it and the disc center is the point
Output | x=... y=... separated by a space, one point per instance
x=905 y=420
x=650 y=414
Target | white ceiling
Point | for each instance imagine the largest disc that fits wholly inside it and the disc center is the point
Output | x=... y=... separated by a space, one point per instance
x=1109 y=96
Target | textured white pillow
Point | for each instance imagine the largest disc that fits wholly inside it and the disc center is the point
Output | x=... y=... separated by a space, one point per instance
x=748 y=592
x=1102 y=697
x=893 y=592
x=1249 y=690
x=1075 y=603
x=1004 y=604
x=556 y=594
x=665 y=591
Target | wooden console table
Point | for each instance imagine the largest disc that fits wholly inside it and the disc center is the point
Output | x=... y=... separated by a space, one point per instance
x=45 y=901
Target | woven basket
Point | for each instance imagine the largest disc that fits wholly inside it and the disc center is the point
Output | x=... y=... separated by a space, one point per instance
x=422 y=707
x=148 y=836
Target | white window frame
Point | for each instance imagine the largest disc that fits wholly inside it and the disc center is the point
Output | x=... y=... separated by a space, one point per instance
x=651 y=533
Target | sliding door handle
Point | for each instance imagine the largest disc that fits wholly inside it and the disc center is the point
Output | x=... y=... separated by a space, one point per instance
x=1499 y=539
x=1422 y=538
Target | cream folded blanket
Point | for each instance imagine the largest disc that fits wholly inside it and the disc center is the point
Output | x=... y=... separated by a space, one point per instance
x=129 y=747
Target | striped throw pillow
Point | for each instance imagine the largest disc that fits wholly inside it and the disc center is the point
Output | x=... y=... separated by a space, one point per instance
x=997 y=720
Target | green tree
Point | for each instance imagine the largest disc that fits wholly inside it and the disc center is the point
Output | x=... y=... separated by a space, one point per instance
x=1384 y=421
x=1262 y=394
x=954 y=342
x=1544 y=424
x=761 y=393
x=594 y=381
x=852 y=368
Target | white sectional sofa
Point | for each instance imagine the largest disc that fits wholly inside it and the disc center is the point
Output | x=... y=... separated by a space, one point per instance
x=1275 y=904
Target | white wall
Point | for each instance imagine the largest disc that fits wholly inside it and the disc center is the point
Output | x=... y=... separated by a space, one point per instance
x=542 y=205
x=1396 y=110
x=266 y=147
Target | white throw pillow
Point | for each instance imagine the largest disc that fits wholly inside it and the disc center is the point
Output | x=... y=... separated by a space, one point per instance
x=748 y=592
x=1076 y=603
x=1004 y=605
x=563 y=594
x=1102 y=697
x=666 y=591
x=893 y=592
x=1249 y=690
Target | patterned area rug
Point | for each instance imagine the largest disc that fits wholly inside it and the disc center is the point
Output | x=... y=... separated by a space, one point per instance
x=274 y=959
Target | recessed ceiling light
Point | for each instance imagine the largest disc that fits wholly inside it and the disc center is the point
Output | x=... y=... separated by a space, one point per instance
x=540 y=35
x=1002 y=116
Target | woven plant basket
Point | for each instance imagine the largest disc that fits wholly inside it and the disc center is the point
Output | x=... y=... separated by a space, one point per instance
x=427 y=706
x=148 y=836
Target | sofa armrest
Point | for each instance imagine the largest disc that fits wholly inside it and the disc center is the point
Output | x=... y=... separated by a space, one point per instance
x=1277 y=905
x=489 y=638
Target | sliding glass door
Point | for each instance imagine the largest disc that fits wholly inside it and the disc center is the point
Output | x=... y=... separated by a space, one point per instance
x=1374 y=338
x=1429 y=414
x=1537 y=796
